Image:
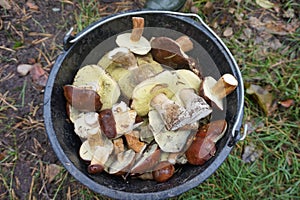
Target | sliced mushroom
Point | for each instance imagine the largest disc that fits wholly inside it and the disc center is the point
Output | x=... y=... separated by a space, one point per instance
x=148 y=160
x=185 y=43
x=122 y=163
x=86 y=152
x=195 y=105
x=173 y=115
x=100 y=156
x=95 y=77
x=146 y=134
x=86 y=124
x=82 y=99
x=188 y=78
x=87 y=148
x=123 y=57
x=118 y=62
x=124 y=117
x=118 y=120
x=133 y=141
x=168 y=52
x=134 y=40
x=215 y=91
x=118 y=145
x=168 y=141
x=72 y=112
x=203 y=146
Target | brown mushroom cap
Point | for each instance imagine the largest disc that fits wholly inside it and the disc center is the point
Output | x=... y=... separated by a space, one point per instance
x=168 y=52
x=163 y=171
x=108 y=123
x=200 y=151
x=95 y=78
x=82 y=99
x=203 y=146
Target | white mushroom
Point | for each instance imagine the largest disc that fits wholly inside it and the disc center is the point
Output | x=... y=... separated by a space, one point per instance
x=86 y=124
x=134 y=40
x=215 y=91
x=124 y=117
x=100 y=157
x=122 y=163
x=172 y=114
x=85 y=151
x=195 y=105
x=168 y=141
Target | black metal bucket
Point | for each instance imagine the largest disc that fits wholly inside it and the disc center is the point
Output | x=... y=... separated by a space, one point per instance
x=80 y=50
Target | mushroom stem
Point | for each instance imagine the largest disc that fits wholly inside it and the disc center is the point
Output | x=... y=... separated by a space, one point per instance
x=224 y=86
x=138 y=28
x=185 y=43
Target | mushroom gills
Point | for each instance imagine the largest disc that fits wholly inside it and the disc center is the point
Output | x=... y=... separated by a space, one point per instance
x=168 y=141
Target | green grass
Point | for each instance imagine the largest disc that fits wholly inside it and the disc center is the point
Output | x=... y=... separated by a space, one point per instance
x=87 y=14
x=275 y=174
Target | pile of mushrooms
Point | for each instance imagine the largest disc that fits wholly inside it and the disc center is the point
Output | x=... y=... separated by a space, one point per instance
x=135 y=118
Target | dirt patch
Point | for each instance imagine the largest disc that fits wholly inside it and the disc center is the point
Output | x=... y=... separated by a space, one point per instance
x=32 y=32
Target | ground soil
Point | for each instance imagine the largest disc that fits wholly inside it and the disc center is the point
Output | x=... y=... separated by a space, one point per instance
x=32 y=32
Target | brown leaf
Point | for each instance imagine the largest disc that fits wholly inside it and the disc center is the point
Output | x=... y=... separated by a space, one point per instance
x=262 y=96
x=39 y=75
x=32 y=6
x=2 y=156
x=52 y=171
x=208 y=8
x=287 y=103
x=228 y=32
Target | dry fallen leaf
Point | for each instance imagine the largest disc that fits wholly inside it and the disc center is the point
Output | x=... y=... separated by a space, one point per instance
x=32 y=6
x=228 y=32
x=262 y=96
x=265 y=4
x=208 y=8
x=52 y=171
x=2 y=156
x=287 y=103
x=251 y=153
x=39 y=75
